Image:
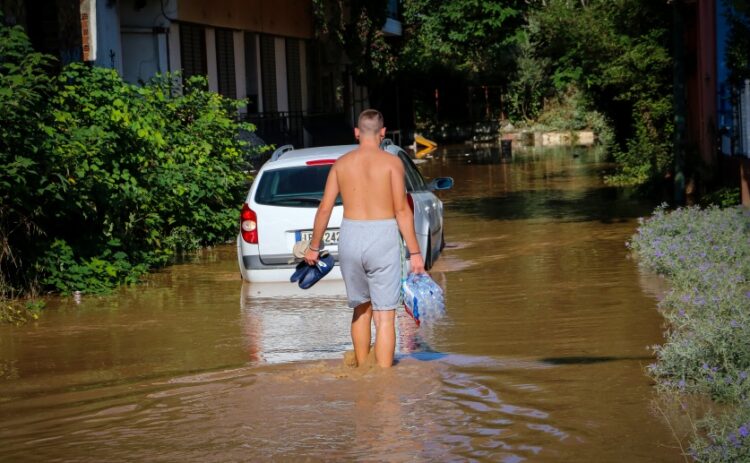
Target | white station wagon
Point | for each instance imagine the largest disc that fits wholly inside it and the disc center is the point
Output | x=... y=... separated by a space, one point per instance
x=281 y=205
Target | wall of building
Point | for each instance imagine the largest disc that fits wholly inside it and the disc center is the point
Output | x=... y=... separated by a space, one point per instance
x=288 y=18
x=145 y=38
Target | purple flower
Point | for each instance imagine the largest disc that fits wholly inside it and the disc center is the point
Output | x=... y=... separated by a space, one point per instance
x=734 y=324
x=704 y=366
x=743 y=375
x=682 y=385
x=744 y=432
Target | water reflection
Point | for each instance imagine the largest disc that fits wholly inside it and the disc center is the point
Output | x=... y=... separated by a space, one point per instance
x=284 y=324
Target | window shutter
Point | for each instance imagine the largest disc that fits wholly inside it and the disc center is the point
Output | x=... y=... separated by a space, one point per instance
x=193 y=50
x=294 y=74
x=268 y=73
x=225 y=63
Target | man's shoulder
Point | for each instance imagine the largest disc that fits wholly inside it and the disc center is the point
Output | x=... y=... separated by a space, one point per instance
x=343 y=159
x=387 y=157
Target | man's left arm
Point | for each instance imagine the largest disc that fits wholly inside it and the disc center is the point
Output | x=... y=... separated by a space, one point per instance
x=322 y=216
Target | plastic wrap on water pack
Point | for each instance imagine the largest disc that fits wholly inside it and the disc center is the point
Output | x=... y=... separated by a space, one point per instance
x=423 y=298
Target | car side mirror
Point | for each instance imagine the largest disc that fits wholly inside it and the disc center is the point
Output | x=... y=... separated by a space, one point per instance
x=440 y=183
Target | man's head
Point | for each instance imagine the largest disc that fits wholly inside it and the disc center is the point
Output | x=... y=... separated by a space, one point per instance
x=370 y=125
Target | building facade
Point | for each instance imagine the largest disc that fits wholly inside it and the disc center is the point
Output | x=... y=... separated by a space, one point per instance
x=298 y=89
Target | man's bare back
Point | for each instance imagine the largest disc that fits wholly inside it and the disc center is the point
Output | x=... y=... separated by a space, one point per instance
x=372 y=186
x=364 y=177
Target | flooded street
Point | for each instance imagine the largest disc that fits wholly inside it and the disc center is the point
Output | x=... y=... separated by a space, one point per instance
x=540 y=358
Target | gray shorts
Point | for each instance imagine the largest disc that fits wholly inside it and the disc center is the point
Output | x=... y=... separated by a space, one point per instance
x=370 y=260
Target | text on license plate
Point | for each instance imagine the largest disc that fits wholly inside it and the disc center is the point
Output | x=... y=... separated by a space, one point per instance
x=329 y=237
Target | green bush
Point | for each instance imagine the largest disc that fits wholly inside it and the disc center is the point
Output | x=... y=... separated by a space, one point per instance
x=17 y=312
x=705 y=254
x=723 y=197
x=106 y=179
x=25 y=89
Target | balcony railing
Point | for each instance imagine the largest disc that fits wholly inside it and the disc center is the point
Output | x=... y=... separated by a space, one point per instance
x=279 y=127
x=300 y=128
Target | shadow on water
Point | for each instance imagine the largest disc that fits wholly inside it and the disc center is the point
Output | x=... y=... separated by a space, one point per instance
x=603 y=204
x=589 y=360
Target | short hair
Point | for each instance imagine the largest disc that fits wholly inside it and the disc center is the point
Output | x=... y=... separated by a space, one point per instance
x=370 y=121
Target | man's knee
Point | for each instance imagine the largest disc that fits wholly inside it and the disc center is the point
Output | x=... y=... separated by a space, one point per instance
x=384 y=318
x=362 y=310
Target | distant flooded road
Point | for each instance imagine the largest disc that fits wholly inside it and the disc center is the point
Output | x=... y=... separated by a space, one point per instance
x=540 y=358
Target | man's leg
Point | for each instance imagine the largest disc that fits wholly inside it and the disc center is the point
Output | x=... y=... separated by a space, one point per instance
x=385 y=337
x=361 y=320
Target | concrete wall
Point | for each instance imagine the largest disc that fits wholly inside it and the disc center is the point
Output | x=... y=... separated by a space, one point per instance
x=149 y=41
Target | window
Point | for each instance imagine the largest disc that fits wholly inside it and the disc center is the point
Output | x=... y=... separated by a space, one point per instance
x=414 y=180
x=225 y=63
x=193 y=50
x=294 y=186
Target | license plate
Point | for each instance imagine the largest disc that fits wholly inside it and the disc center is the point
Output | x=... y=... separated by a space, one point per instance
x=329 y=237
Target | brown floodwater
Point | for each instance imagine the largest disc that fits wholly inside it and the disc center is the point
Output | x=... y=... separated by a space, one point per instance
x=540 y=357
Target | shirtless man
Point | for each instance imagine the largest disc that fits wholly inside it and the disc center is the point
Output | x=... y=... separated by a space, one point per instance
x=371 y=183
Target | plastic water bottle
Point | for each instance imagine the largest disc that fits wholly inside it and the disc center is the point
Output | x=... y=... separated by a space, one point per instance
x=423 y=298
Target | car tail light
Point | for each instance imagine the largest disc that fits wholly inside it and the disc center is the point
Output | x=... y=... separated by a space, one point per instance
x=321 y=162
x=249 y=225
x=410 y=200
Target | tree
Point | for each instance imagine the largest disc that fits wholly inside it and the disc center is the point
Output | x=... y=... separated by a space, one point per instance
x=618 y=54
x=356 y=27
x=472 y=36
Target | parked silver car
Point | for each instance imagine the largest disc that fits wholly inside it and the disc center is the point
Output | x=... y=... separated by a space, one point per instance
x=281 y=204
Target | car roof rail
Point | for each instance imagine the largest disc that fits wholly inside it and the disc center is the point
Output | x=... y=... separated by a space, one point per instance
x=277 y=154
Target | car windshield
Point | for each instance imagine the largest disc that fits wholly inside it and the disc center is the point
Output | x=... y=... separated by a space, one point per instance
x=300 y=186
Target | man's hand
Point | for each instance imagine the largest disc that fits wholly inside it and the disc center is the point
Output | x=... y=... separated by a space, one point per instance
x=417 y=263
x=311 y=257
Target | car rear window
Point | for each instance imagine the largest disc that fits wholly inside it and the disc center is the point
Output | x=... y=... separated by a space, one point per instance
x=293 y=186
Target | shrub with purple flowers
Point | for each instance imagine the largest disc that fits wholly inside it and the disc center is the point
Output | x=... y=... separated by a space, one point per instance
x=727 y=438
x=705 y=254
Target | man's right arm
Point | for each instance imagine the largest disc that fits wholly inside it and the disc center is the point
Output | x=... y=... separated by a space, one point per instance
x=405 y=217
x=322 y=216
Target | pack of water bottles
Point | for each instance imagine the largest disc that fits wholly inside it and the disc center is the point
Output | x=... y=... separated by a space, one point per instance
x=423 y=298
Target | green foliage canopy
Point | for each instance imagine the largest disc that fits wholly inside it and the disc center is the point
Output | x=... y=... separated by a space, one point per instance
x=473 y=36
